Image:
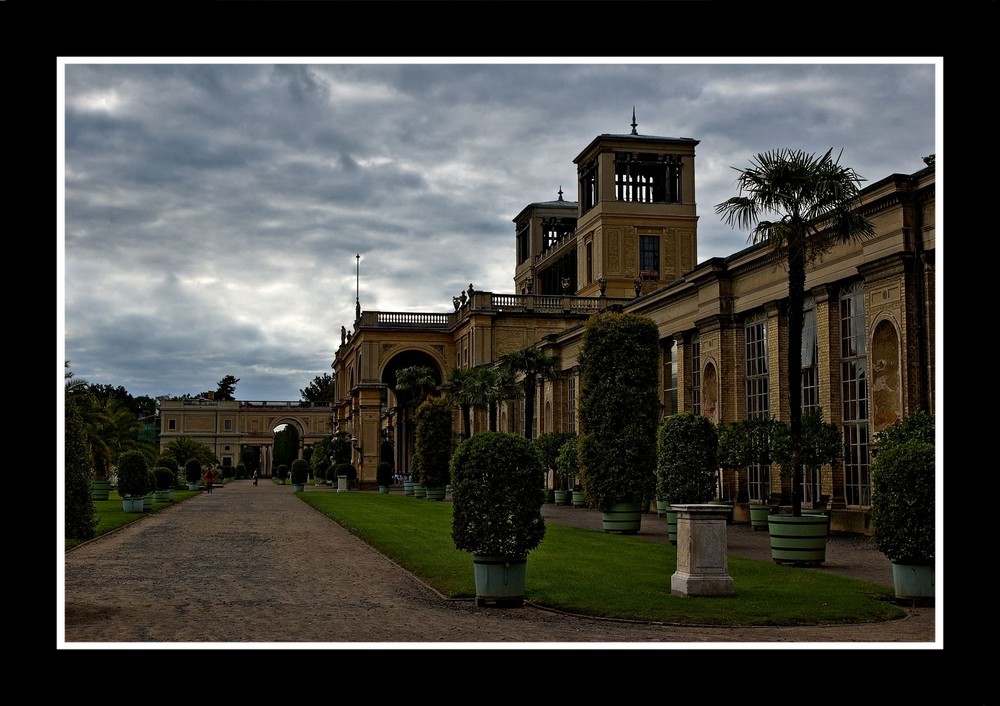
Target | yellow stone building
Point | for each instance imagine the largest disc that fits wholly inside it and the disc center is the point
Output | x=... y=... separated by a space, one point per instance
x=629 y=242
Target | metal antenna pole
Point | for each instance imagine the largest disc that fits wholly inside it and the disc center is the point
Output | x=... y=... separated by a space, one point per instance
x=357 y=285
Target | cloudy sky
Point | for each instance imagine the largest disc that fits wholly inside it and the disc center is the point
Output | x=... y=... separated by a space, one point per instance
x=212 y=210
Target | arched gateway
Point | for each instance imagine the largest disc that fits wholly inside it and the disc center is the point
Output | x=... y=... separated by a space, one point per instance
x=231 y=428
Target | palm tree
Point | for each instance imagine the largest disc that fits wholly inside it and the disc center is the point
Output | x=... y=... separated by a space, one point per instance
x=413 y=385
x=533 y=364
x=473 y=388
x=816 y=203
x=183 y=448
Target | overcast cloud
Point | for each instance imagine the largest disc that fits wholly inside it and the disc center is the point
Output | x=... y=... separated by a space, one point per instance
x=213 y=210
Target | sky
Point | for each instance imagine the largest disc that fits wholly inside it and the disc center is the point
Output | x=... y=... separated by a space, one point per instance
x=211 y=210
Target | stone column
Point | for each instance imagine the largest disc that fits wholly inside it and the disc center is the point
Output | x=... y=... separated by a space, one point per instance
x=702 y=563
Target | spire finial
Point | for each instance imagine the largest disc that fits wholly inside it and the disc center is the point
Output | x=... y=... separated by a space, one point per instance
x=560 y=192
x=634 y=123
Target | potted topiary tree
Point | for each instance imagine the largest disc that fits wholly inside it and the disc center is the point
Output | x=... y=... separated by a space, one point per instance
x=416 y=475
x=133 y=480
x=568 y=468
x=434 y=445
x=547 y=446
x=619 y=413
x=903 y=504
x=496 y=512
x=300 y=474
x=747 y=443
x=344 y=473
x=822 y=445
x=192 y=473
x=687 y=460
x=383 y=476
x=281 y=473
x=164 y=484
x=169 y=462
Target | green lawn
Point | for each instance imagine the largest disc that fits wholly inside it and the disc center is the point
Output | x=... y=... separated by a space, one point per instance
x=607 y=575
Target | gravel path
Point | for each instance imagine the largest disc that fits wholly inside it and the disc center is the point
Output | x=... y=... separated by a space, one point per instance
x=256 y=565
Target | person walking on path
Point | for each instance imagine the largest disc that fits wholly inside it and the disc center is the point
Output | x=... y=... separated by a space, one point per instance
x=256 y=474
x=209 y=479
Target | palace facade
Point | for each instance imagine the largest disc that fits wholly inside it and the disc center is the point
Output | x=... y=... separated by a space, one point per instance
x=629 y=243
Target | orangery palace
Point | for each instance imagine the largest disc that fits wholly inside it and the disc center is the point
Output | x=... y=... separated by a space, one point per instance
x=629 y=242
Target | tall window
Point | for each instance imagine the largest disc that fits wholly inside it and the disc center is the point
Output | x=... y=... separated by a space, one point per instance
x=522 y=244
x=649 y=256
x=647 y=178
x=670 y=377
x=811 y=481
x=590 y=262
x=588 y=185
x=758 y=404
x=696 y=374
x=571 y=402
x=854 y=393
x=810 y=356
x=554 y=230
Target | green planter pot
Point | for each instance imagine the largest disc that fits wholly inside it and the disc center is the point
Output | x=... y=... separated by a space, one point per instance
x=622 y=518
x=132 y=504
x=799 y=541
x=408 y=487
x=550 y=495
x=759 y=514
x=499 y=579
x=147 y=502
x=563 y=497
x=913 y=581
x=731 y=505
x=661 y=508
x=434 y=492
x=671 y=516
x=823 y=512
x=419 y=491
x=192 y=486
x=578 y=500
x=298 y=487
x=170 y=495
x=383 y=490
x=161 y=496
x=100 y=489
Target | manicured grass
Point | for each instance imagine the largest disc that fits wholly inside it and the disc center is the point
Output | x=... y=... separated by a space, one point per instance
x=110 y=515
x=605 y=575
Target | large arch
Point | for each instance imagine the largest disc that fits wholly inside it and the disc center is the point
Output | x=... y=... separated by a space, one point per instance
x=403 y=437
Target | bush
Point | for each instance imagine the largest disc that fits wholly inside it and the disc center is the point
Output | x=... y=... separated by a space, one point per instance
x=903 y=490
x=619 y=408
x=133 y=474
x=686 y=459
x=416 y=469
x=345 y=469
x=169 y=462
x=383 y=474
x=568 y=462
x=300 y=471
x=81 y=519
x=548 y=446
x=192 y=470
x=241 y=470
x=164 y=477
x=434 y=441
x=496 y=495
x=282 y=472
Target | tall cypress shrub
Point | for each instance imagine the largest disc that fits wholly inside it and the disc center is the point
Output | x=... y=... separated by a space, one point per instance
x=81 y=520
x=619 y=408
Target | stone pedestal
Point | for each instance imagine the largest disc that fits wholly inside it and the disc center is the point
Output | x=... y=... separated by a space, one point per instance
x=702 y=563
x=341 y=484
